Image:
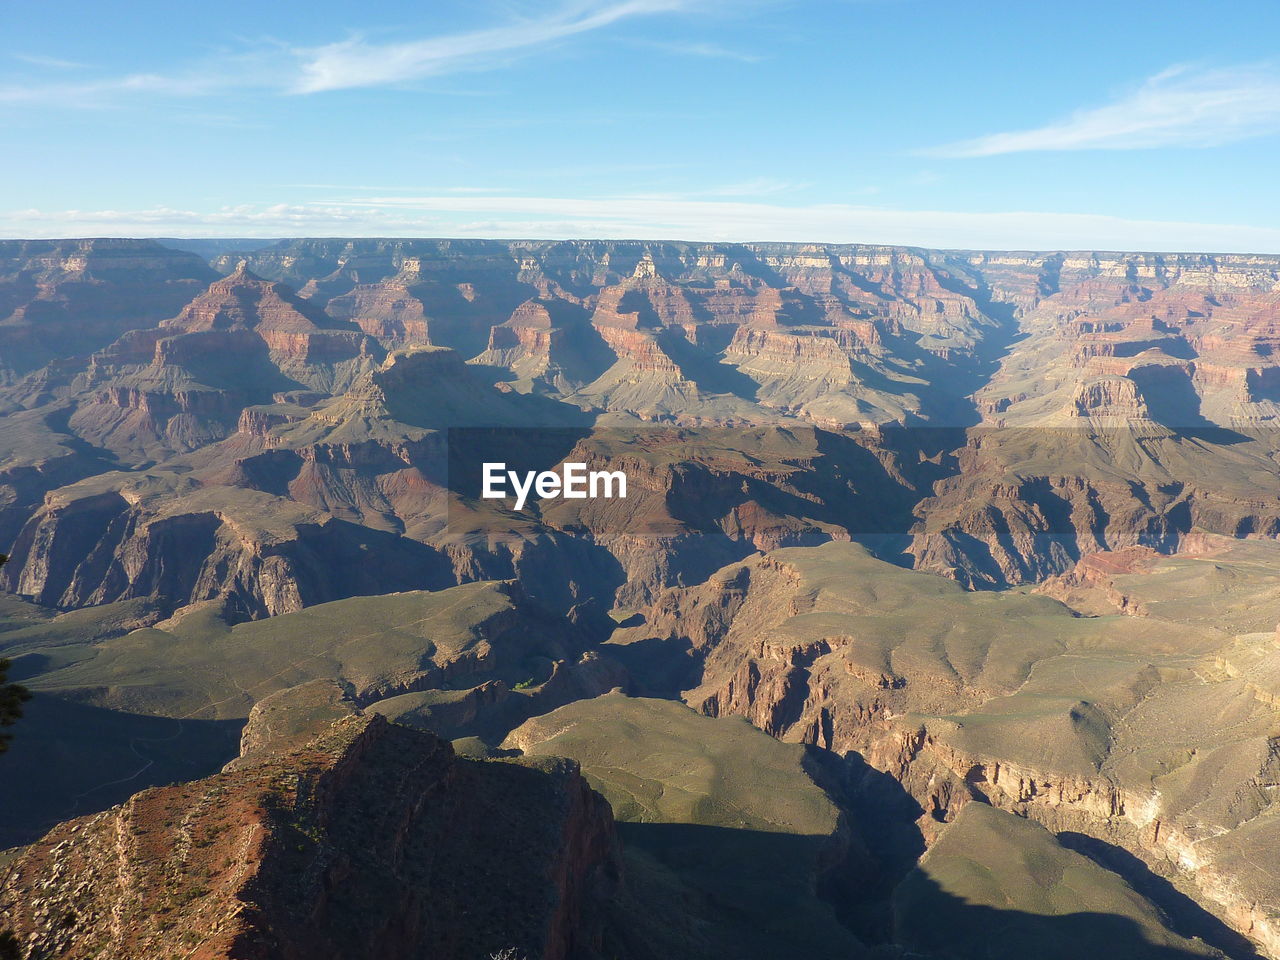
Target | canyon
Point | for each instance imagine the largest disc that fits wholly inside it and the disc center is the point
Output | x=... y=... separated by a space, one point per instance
x=943 y=585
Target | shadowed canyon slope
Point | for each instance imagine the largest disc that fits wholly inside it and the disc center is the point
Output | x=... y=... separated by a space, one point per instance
x=943 y=585
x=1154 y=731
x=304 y=852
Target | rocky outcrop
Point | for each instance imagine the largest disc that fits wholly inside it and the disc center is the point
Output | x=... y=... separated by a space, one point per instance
x=308 y=853
x=1026 y=503
x=388 y=311
x=183 y=384
x=548 y=342
x=179 y=543
x=1114 y=396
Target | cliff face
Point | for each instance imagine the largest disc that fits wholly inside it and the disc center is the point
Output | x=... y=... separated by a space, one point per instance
x=1079 y=723
x=251 y=391
x=62 y=298
x=663 y=314
x=183 y=384
x=1025 y=503
x=309 y=854
x=182 y=543
x=1194 y=335
x=1136 y=408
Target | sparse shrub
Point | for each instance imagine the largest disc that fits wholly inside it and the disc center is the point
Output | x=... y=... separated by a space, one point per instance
x=12 y=697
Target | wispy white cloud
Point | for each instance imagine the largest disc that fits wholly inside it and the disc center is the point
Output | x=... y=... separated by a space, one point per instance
x=232 y=73
x=359 y=63
x=53 y=63
x=356 y=62
x=649 y=218
x=712 y=51
x=1180 y=107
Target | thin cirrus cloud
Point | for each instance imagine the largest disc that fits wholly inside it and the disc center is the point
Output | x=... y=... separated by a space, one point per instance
x=710 y=51
x=234 y=73
x=356 y=62
x=650 y=218
x=1180 y=107
x=52 y=63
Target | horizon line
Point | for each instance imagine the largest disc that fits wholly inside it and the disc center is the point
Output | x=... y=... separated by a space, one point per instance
x=1181 y=251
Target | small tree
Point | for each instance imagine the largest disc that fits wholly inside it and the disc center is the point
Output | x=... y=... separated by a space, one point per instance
x=12 y=697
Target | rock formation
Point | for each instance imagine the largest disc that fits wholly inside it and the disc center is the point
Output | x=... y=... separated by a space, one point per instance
x=66 y=298
x=1079 y=723
x=305 y=852
x=985 y=539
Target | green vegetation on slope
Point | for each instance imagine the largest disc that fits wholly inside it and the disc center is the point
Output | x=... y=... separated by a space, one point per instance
x=198 y=665
x=726 y=838
x=1000 y=887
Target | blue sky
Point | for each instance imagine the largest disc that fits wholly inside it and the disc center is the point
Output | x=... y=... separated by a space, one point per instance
x=1136 y=125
